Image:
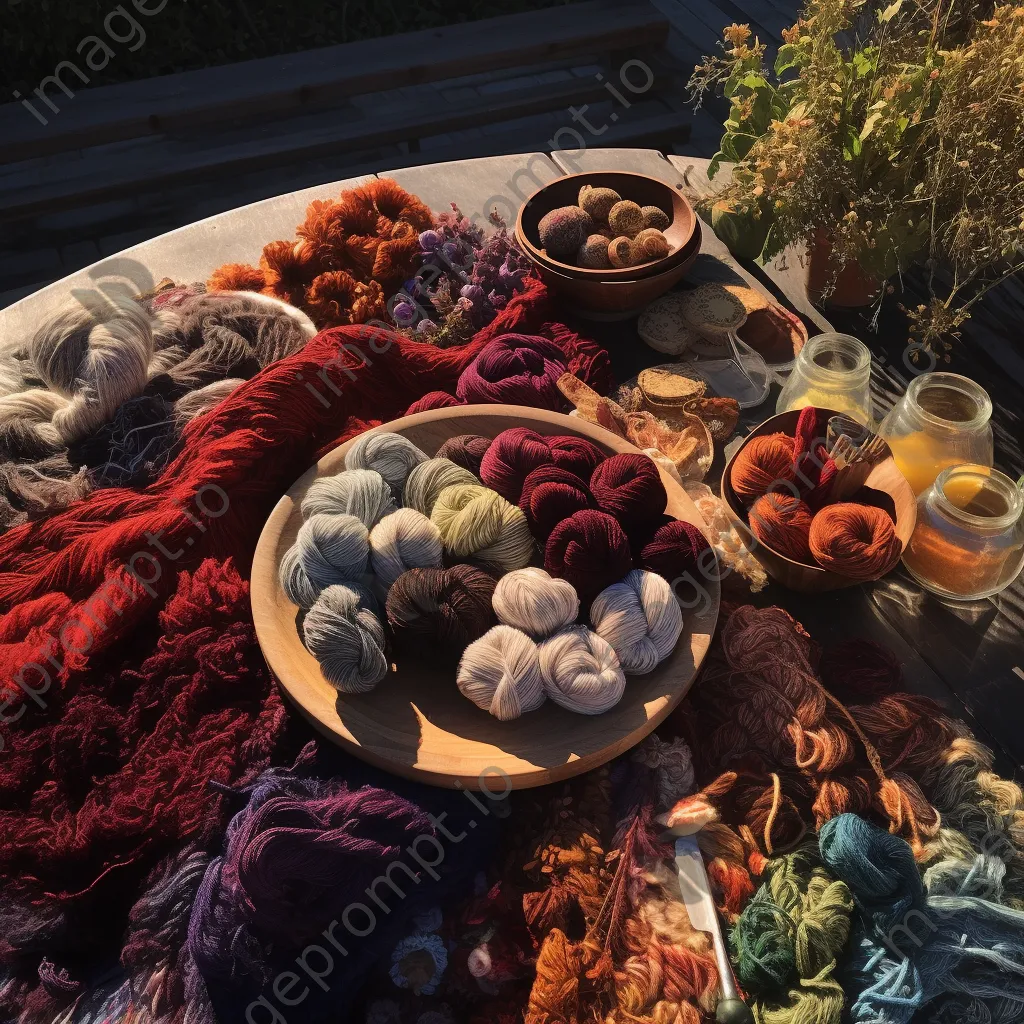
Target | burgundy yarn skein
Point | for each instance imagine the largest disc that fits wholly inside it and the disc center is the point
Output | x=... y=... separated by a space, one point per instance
x=590 y=551
x=629 y=487
x=674 y=550
x=551 y=494
x=515 y=369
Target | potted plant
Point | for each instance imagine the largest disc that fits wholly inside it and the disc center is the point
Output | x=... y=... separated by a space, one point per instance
x=882 y=139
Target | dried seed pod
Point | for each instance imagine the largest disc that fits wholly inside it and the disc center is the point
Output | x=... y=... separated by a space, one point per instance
x=598 y=201
x=562 y=231
x=593 y=253
x=649 y=244
x=655 y=217
x=625 y=218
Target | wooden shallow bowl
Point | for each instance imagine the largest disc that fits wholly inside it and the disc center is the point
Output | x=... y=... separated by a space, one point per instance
x=813 y=579
x=416 y=723
x=642 y=189
x=624 y=298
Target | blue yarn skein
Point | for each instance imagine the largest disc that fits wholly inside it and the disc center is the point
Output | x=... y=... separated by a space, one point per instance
x=912 y=947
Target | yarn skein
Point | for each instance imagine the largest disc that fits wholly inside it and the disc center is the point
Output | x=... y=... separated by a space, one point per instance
x=429 y=479
x=856 y=541
x=581 y=671
x=477 y=522
x=629 y=487
x=328 y=549
x=437 y=613
x=588 y=550
x=762 y=463
x=551 y=494
x=531 y=601
x=674 y=550
x=516 y=452
x=391 y=455
x=782 y=522
x=344 y=634
x=640 y=618
x=405 y=539
x=362 y=493
x=500 y=673
x=515 y=369
x=465 y=450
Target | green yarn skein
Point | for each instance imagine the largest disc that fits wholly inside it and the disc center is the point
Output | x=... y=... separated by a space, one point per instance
x=788 y=941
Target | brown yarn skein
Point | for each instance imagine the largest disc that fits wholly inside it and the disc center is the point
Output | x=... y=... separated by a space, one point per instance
x=761 y=463
x=783 y=523
x=856 y=541
x=438 y=613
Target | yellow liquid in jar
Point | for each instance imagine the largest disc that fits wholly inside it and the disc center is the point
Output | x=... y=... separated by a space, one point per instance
x=828 y=400
x=921 y=458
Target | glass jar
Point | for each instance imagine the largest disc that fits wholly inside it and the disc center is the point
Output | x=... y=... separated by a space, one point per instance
x=832 y=371
x=969 y=539
x=942 y=420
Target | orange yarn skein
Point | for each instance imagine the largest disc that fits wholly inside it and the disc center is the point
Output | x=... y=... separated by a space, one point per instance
x=783 y=523
x=761 y=463
x=856 y=541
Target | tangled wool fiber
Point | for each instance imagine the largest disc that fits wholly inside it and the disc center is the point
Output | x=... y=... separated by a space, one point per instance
x=391 y=455
x=629 y=487
x=762 y=464
x=465 y=450
x=328 y=549
x=581 y=671
x=675 y=549
x=533 y=602
x=348 y=253
x=344 y=634
x=970 y=945
x=446 y=607
x=551 y=494
x=500 y=673
x=783 y=523
x=856 y=541
x=589 y=551
x=403 y=540
x=518 y=451
x=640 y=618
x=477 y=522
x=429 y=479
x=433 y=400
x=362 y=493
x=515 y=369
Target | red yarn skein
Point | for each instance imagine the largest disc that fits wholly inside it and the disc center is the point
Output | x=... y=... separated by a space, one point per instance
x=576 y=454
x=783 y=523
x=516 y=369
x=590 y=551
x=433 y=400
x=551 y=494
x=674 y=550
x=629 y=487
x=761 y=463
x=512 y=456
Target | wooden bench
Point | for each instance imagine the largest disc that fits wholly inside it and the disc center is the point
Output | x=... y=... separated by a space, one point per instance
x=216 y=122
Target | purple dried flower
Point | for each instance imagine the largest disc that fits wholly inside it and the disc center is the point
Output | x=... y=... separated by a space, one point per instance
x=473 y=292
x=429 y=240
x=404 y=313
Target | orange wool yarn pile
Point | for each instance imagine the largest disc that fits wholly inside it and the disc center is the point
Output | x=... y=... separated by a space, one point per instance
x=786 y=483
x=350 y=254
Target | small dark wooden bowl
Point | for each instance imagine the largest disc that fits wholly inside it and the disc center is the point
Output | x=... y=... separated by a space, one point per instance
x=627 y=297
x=415 y=723
x=812 y=579
x=643 y=190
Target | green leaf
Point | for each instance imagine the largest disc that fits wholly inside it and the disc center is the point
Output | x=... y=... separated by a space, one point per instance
x=788 y=57
x=716 y=163
x=890 y=11
x=774 y=243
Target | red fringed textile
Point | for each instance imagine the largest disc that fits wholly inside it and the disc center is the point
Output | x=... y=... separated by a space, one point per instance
x=127 y=617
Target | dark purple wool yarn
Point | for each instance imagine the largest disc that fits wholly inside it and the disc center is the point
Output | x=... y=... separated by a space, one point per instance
x=674 y=550
x=629 y=488
x=551 y=494
x=466 y=450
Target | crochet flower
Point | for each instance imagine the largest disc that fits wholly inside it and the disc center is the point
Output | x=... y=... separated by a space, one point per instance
x=418 y=962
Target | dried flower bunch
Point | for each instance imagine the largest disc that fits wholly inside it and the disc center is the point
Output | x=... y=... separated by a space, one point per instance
x=350 y=252
x=898 y=135
x=463 y=281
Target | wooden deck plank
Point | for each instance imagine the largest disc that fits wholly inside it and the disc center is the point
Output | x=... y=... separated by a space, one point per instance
x=314 y=78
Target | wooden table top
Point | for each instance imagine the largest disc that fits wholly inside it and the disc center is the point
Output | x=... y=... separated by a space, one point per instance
x=967 y=656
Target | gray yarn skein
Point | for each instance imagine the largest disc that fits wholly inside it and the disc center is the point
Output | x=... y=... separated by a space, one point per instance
x=362 y=493
x=346 y=637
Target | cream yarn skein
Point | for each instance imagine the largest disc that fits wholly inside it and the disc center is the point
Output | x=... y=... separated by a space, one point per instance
x=500 y=673
x=640 y=618
x=581 y=671
x=429 y=479
x=362 y=493
x=535 y=602
x=406 y=539
x=476 y=521
x=391 y=455
x=344 y=634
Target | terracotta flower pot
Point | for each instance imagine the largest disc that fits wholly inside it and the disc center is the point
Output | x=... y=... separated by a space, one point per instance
x=851 y=287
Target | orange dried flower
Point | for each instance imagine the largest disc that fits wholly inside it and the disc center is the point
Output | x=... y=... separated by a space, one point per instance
x=237 y=277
